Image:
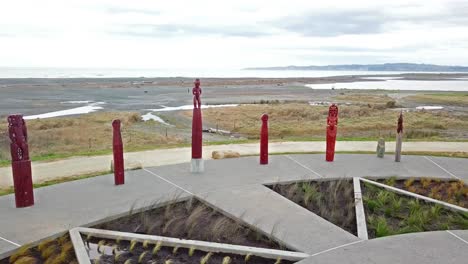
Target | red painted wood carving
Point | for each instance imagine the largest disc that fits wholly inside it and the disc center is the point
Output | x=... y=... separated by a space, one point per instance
x=332 y=126
x=20 y=162
x=264 y=140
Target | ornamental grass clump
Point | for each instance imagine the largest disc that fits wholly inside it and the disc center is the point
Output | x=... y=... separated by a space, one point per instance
x=332 y=200
x=389 y=213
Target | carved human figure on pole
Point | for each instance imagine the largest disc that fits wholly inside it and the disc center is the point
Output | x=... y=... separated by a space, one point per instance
x=197 y=165
x=20 y=162
x=399 y=138
x=18 y=137
x=332 y=126
x=196 y=91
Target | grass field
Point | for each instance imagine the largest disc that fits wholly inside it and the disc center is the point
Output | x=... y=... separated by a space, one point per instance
x=302 y=121
x=91 y=134
x=459 y=99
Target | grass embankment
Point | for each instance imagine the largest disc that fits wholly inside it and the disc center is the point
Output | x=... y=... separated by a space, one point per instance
x=368 y=122
x=457 y=99
x=379 y=101
x=63 y=137
x=9 y=190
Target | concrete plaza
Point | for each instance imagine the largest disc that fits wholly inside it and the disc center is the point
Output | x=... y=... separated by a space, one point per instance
x=236 y=187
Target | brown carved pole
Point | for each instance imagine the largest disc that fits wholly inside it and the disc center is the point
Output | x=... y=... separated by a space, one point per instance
x=332 y=126
x=119 y=174
x=20 y=162
x=399 y=138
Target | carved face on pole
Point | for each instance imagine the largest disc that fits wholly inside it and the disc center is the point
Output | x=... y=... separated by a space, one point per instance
x=332 y=119
x=116 y=124
x=400 y=123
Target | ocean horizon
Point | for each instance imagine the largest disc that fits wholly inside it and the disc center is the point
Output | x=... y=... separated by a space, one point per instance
x=50 y=72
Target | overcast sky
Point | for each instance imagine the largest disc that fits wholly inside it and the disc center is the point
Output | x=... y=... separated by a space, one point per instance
x=231 y=34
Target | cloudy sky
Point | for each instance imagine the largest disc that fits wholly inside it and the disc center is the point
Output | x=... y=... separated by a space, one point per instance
x=231 y=34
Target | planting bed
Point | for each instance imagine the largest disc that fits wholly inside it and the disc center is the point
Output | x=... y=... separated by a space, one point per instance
x=388 y=213
x=112 y=251
x=192 y=220
x=454 y=192
x=57 y=251
x=332 y=200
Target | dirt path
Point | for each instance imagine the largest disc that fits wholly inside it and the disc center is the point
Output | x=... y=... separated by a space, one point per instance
x=43 y=171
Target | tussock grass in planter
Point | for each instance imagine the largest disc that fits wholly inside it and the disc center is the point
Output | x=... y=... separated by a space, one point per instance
x=389 y=213
x=113 y=251
x=54 y=251
x=190 y=219
x=454 y=192
x=332 y=200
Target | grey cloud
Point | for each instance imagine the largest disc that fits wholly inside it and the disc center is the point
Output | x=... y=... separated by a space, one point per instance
x=334 y=23
x=168 y=30
x=121 y=10
x=319 y=23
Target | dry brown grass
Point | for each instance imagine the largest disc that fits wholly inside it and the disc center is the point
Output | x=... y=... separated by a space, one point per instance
x=364 y=98
x=90 y=133
x=460 y=98
x=305 y=121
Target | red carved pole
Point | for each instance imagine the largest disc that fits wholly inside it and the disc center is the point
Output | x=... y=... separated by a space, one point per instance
x=332 y=126
x=264 y=140
x=197 y=130
x=20 y=163
x=119 y=174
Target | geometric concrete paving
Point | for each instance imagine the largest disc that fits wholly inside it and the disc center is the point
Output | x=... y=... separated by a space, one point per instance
x=457 y=167
x=417 y=248
x=358 y=165
x=265 y=209
x=83 y=165
x=229 y=173
x=61 y=207
x=236 y=187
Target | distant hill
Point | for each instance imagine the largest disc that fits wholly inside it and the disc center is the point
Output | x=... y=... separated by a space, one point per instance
x=404 y=67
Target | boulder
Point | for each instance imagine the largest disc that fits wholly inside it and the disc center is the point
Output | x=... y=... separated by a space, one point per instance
x=225 y=154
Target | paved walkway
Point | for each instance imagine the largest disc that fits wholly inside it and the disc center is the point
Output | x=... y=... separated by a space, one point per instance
x=43 y=171
x=447 y=247
x=235 y=186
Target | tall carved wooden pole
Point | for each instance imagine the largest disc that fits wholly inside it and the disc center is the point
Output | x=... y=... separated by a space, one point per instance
x=20 y=162
x=332 y=126
x=117 y=146
x=399 y=138
x=264 y=140
x=197 y=165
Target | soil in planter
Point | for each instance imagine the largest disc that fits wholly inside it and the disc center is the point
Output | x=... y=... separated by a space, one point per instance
x=389 y=213
x=57 y=251
x=454 y=192
x=109 y=251
x=193 y=220
x=332 y=200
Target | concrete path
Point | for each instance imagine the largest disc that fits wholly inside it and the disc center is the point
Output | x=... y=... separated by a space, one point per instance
x=235 y=186
x=43 y=171
x=429 y=247
x=301 y=230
